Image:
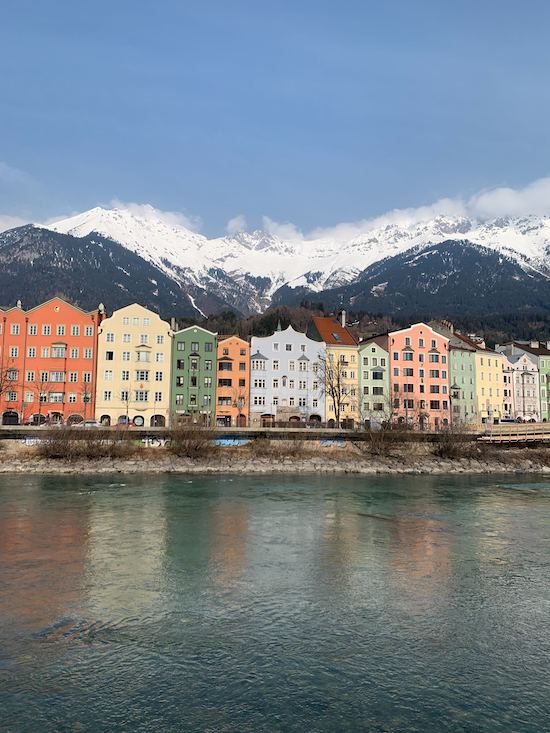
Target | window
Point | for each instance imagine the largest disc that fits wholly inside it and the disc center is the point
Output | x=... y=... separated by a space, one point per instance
x=142 y=375
x=72 y=398
x=434 y=388
x=89 y=331
x=126 y=338
x=75 y=330
x=73 y=377
x=58 y=352
x=408 y=356
x=109 y=355
x=87 y=353
x=194 y=346
x=421 y=343
x=159 y=376
x=107 y=395
x=12 y=375
x=275 y=365
x=242 y=382
x=434 y=405
x=31 y=352
x=33 y=330
x=159 y=357
x=208 y=365
x=434 y=373
x=275 y=384
x=158 y=396
x=57 y=376
x=87 y=377
x=108 y=375
x=74 y=352
x=125 y=375
x=208 y=382
x=407 y=341
x=408 y=372
x=434 y=344
x=378 y=391
x=125 y=395
x=30 y=377
x=378 y=375
x=110 y=337
x=146 y=321
x=291 y=366
x=209 y=346
x=179 y=399
x=259 y=384
x=14 y=329
x=301 y=401
x=433 y=358
x=227 y=383
x=46 y=330
x=14 y=351
x=365 y=361
x=141 y=395
x=144 y=338
x=135 y=321
x=125 y=356
x=395 y=356
x=302 y=366
x=408 y=404
x=56 y=397
x=125 y=321
x=242 y=366
x=11 y=396
x=60 y=330
x=142 y=355
x=180 y=346
x=276 y=347
x=160 y=340
x=366 y=390
x=408 y=388
x=288 y=347
x=259 y=400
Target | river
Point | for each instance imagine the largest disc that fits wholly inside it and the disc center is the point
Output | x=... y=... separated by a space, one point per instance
x=174 y=603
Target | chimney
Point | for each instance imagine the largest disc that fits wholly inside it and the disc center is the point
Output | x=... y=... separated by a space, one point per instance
x=548 y=344
x=343 y=318
x=19 y=304
x=534 y=344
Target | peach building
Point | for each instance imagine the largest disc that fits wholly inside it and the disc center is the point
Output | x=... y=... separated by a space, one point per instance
x=48 y=363
x=233 y=382
x=419 y=377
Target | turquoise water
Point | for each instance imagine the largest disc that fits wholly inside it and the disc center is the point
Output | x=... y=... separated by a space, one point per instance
x=274 y=604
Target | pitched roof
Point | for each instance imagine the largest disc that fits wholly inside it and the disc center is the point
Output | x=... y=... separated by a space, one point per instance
x=535 y=350
x=381 y=340
x=332 y=332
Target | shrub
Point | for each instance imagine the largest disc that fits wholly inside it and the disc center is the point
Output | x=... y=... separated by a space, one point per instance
x=69 y=444
x=455 y=445
x=190 y=441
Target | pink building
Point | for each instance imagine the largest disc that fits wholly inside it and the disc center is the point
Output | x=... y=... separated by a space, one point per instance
x=419 y=377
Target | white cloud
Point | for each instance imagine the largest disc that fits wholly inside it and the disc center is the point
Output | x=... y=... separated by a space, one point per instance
x=531 y=199
x=489 y=204
x=236 y=224
x=10 y=222
x=170 y=218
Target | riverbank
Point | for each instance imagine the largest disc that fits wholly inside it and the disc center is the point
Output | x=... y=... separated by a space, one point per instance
x=288 y=459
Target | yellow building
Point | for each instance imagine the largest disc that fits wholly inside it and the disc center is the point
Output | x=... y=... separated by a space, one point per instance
x=133 y=368
x=341 y=384
x=489 y=367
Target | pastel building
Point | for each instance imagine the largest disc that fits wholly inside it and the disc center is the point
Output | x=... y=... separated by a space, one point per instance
x=374 y=381
x=233 y=382
x=489 y=384
x=420 y=377
x=339 y=374
x=285 y=379
x=194 y=358
x=540 y=351
x=48 y=363
x=133 y=368
x=521 y=387
x=463 y=390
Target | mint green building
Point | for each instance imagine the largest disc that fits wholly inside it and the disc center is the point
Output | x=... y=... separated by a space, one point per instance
x=193 y=376
x=374 y=381
x=463 y=385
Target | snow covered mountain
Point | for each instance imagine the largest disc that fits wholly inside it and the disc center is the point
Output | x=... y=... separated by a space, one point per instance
x=249 y=270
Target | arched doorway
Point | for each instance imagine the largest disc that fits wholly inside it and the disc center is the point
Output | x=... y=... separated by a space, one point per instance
x=315 y=420
x=267 y=421
x=74 y=419
x=294 y=420
x=158 y=421
x=105 y=420
x=38 y=419
x=10 y=417
x=241 y=421
x=138 y=421
x=56 y=418
x=348 y=423
x=331 y=423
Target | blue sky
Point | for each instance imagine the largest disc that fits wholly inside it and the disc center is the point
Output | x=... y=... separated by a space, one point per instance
x=307 y=112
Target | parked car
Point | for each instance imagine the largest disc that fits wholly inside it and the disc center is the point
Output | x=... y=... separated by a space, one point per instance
x=88 y=424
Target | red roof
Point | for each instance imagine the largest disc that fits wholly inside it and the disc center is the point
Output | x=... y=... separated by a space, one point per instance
x=331 y=331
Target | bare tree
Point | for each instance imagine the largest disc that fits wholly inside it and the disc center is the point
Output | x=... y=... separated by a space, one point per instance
x=86 y=394
x=337 y=387
x=40 y=386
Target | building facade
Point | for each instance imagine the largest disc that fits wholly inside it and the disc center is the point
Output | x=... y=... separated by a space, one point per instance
x=420 y=377
x=194 y=359
x=285 y=379
x=541 y=352
x=374 y=381
x=489 y=385
x=339 y=370
x=233 y=382
x=521 y=387
x=48 y=363
x=133 y=369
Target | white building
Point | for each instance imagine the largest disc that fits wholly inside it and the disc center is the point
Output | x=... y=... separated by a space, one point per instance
x=521 y=387
x=285 y=379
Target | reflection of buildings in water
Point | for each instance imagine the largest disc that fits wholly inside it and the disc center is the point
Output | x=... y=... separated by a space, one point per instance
x=229 y=535
x=420 y=551
x=126 y=552
x=42 y=550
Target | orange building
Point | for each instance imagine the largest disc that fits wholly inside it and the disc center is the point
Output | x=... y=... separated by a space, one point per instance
x=233 y=385
x=47 y=363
